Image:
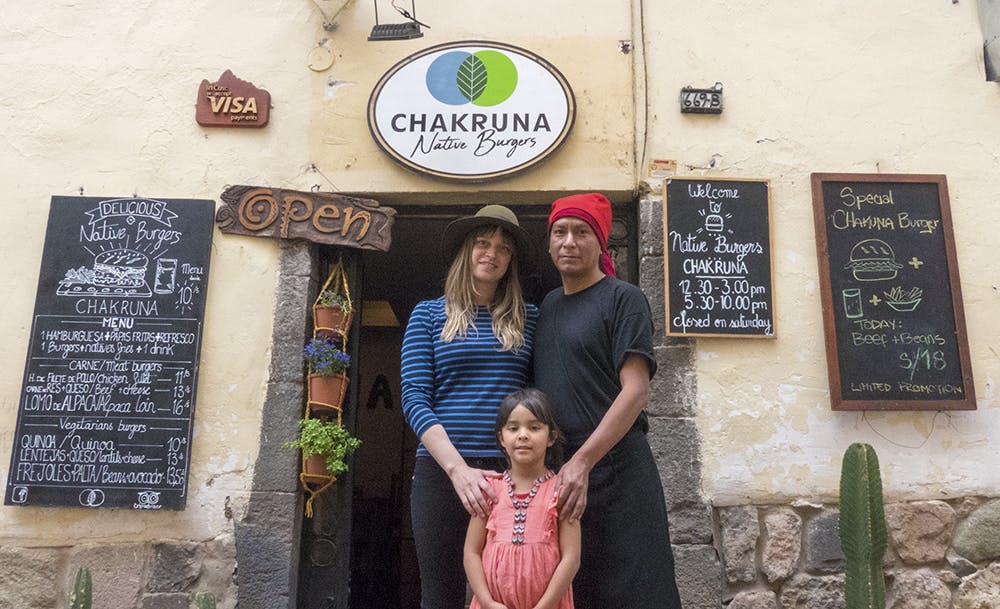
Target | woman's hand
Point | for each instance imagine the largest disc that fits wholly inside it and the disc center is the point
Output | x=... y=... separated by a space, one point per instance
x=474 y=489
x=471 y=485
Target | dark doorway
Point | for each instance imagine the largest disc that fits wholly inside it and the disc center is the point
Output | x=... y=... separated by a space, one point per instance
x=357 y=549
x=383 y=564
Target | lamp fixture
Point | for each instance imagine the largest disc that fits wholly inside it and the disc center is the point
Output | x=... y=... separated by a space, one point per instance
x=378 y=313
x=398 y=31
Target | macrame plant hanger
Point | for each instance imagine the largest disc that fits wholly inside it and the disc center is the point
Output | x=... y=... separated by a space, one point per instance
x=314 y=484
x=338 y=279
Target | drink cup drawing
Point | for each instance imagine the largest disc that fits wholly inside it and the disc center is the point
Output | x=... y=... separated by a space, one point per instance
x=166 y=275
x=852 y=303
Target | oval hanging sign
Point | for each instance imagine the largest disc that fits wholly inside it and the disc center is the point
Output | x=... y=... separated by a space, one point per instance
x=471 y=110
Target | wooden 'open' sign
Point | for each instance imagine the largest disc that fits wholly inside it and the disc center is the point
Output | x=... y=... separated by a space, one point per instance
x=320 y=217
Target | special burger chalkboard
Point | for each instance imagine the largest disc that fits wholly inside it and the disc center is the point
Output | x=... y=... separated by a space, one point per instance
x=108 y=396
x=892 y=303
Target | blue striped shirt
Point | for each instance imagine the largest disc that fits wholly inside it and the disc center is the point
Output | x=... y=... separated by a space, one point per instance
x=460 y=384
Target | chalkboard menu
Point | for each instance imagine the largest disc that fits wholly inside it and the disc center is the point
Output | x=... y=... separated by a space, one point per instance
x=717 y=245
x=107 y=401
x=892 y=303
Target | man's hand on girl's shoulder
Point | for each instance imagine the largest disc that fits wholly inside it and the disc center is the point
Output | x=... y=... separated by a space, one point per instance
x=573 y=480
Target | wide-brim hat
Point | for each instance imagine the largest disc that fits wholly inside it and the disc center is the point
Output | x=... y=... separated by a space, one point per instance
x=490 y=215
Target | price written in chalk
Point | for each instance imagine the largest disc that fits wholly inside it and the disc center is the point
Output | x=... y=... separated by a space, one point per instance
x=923 y=359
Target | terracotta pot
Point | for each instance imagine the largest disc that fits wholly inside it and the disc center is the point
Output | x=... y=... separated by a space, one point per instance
x=315 y=466
x=330 y=322
x=326 y=394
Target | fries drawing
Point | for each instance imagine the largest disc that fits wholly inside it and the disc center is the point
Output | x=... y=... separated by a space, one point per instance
x=902 y=300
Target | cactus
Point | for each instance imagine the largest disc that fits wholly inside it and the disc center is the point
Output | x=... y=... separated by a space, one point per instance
x=205 y=601
x=863 y=535
x=81 y=596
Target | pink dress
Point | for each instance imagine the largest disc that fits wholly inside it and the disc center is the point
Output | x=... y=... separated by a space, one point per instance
x=517 y=574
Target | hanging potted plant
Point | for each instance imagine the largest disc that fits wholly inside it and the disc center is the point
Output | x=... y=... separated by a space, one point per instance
x=325 y=447
x=327 y=376
x=332 y=314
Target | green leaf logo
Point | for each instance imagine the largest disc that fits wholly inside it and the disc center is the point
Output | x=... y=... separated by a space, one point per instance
x=472 y=77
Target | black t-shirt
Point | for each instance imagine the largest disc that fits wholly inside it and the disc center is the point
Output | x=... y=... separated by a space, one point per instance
x=581 y=342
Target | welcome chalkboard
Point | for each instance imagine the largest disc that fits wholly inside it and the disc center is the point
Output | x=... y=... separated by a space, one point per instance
x=107 y=400
x=892 y=303
x=717 y=245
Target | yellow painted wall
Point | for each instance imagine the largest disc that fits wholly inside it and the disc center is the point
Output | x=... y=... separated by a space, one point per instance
x=891 y=87
x=101 y=99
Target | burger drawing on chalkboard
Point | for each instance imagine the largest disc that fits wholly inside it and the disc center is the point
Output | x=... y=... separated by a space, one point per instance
x=116 y=273
x=873 y=260
x=120 y=268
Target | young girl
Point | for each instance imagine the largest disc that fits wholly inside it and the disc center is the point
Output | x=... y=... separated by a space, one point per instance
x=522 y=556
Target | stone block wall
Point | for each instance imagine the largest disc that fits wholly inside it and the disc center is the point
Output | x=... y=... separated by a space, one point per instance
x=152 y=575
x=942 y=555
x=268 y=529
x=673 y=433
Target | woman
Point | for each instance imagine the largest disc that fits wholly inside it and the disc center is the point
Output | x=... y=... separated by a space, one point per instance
x=462 y=353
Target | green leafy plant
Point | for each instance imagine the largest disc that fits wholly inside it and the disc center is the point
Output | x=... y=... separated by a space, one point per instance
x=329 y=440
x=82 y=594
x=323 y=356
x=863 y=532
x=205 y=601
x=330 y=298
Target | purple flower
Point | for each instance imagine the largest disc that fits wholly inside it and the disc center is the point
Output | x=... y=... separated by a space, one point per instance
x=324 y=356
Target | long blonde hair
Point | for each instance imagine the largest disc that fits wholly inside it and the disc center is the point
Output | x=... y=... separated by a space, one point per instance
x=507 y=308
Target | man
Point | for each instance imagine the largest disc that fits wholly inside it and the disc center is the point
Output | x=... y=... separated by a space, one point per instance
x=594 y=358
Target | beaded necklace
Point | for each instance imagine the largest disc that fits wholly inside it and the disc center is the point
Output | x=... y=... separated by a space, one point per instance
x=521 y=505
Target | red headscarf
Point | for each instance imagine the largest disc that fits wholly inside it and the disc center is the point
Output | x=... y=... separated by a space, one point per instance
x=594 y=209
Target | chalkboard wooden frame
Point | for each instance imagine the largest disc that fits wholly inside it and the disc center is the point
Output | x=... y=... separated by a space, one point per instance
x=749 y=213
x=866 y=185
